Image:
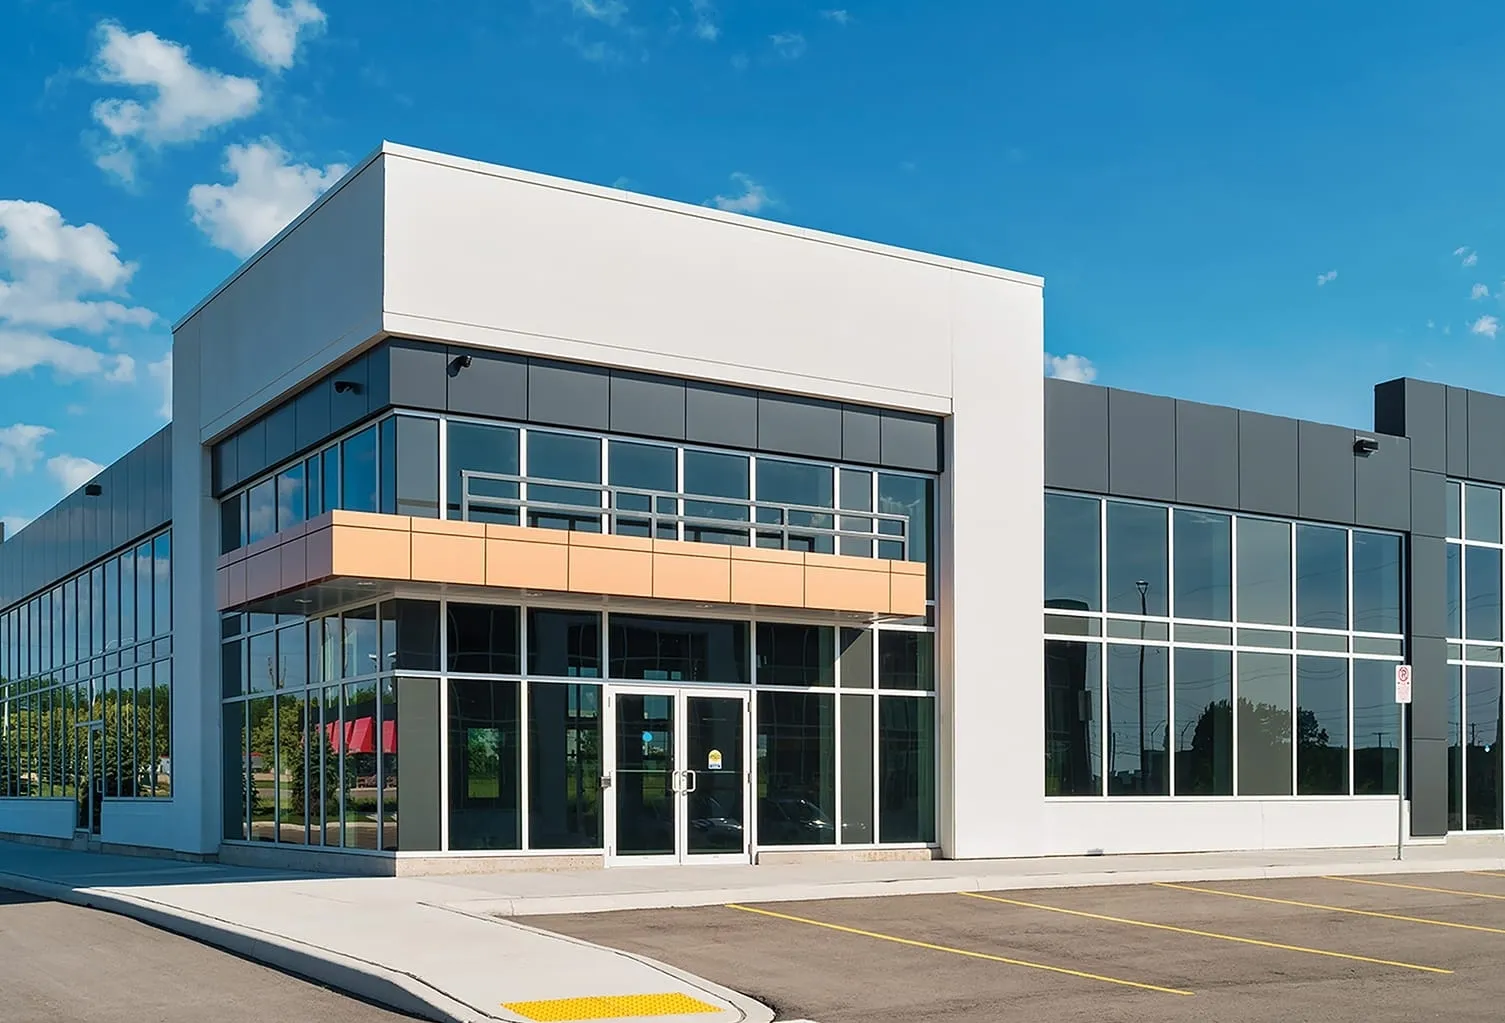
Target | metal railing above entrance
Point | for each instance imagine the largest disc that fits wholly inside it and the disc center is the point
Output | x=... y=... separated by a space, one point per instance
x=669 y=515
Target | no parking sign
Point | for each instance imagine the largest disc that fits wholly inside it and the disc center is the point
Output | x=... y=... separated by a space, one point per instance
x=1402 y=683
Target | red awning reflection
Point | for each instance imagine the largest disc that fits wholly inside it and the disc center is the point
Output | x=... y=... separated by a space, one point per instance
x=360 y=735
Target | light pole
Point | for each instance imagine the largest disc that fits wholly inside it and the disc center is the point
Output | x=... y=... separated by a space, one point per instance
x=1143 y=587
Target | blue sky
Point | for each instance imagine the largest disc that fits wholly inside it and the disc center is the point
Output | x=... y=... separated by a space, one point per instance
x=1271 y=205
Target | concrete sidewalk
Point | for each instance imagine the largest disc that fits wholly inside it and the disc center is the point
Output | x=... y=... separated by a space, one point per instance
x=439 y=948
x=399 y=942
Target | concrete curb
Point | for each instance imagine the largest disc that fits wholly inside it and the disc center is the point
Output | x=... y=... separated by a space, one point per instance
x=940 y=885
x=396 y=990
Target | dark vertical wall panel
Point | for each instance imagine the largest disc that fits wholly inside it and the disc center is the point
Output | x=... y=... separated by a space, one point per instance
x=860 y=435
x=1325 y=473
x=723 y=416
x=1267 y=464
x=1486 y=437
x=419 y=375
x=1382 y=484
x=251 y=450
x=312 y=414
x=566 y=395
x=1206 y=455
x=1428 y=586
x=493 y=384
x=1429 y=512
x=223 y=464
x=1429 y=707
x=419 y=799
x=799 y=426
x=378 y=378
x=1457 y=431
x=1076 y=436
x=909 y=441
x=647 y=406
x=348 y=406
x=1429 y=787
x=281 y=434
x=1418 y=410
x=1141 y=445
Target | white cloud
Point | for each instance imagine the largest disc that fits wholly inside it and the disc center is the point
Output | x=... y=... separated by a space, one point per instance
x=1327 y=277
x=72 y=471
x=51 y=276
x=705 y=20
x=21 y=447
x=1486 y=325
x=610 y=11
x=753 y=197
x=267 y=193
x=13 y=524
x=739 y=61
x=161 y=372
x=1070 y=367
x=1479 y=291
x=789 y=45
x=840 y=17
x=1467 y=255
x=269 y=30
x=182 y=100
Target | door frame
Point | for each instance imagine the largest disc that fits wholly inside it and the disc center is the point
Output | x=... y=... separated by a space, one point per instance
x=682 y=780
x=91 y=753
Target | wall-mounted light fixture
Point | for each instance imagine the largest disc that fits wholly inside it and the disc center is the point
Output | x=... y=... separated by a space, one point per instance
x=93 y=490
x=463 y=361
x=1365 y=446
x=346 y=387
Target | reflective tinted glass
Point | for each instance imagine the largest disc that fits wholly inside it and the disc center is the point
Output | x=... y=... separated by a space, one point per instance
x=1073 y=542
x=358 y=490
x=796 y=655
x=1481 y=580
x=678 y=649
x=1321 y=577
x=1455 y=590
x=1138 y=720
x=1264 y=571
x=1073 y=719
x=1137 y=559
x=1204 y=565
x=1263 y=737
x=1376 y=582
x=643 y=467
x=1481 y=513
x=1376 y=728
x=481 y=448
x=1321 y=726
x=1204 y=723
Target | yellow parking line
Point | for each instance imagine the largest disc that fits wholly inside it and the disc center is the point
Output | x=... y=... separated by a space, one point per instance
x=1413 y=887
x=960 y=951
x=1332 y=909
x=1209 y=934
x=1486 y=873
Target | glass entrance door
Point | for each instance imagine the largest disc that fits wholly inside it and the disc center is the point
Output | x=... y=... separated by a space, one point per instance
x=679 y=776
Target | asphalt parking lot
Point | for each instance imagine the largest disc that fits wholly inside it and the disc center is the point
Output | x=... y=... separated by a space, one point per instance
x=61 y=962
x=1391 y=948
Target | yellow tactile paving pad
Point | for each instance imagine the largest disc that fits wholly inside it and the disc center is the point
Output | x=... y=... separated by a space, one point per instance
x=609 y=1007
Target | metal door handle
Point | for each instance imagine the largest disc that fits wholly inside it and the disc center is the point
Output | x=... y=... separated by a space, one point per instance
x=693 y=779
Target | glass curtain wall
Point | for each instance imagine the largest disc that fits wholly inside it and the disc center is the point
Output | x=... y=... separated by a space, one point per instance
x=1195 y=653
x=92 y=653
x=1474 y=657
x=843 y=723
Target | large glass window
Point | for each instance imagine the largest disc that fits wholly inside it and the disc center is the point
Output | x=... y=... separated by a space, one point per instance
x=1481 y=603
x=358 y=475
x=1073 y=719
x=485 y=773
x=912 y=496
x=564 y=766
x=564 y=456
x=796 y=655
x=476 y=447
x=1481 y=767
x=1376 y=728
x=483 y=638
x=564 y=643
x=906 y=660
x=1138 y=720
x=1455 y=745
x=1204 y=722
x=1264 y=571
x=1455 y=590
x=643 y=467
x=1376 y=582
x=1137 y=559
x=1204 y=565
x=1321 y=577
x=796 y=781
x=1481 y=513
x=678 y=649
x=261 y=515
x=1321 y=726
x=795 y=483
x=906 y=769
x=292 y=498
x=1263 y=736
x=1073 y=541
x=710 y=474
x=414 y=468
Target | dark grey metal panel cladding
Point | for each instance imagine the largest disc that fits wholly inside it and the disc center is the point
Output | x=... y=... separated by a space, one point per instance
x=861 y=431
x=647 y=406
x=564 y=395
x=1457 y=431
x=1428 y=586
x=1382 y=484
x=494 y=384
x=1141 y=445
x=378 y=378
x=1325 y=473
x=251 y=449
x=1429 y=787
x=419 y=375
x=722 y=416
x=1076 y=436
x=910 y=441
x=1486 y=437
x=1267 y=464
x=312 y=414
x=1206 y=455
x=1429 y=503
x=225 y=471
x=281 y=434
x=1418 y=410
x=1429 y=707
x=799 y=426
x=348 y=400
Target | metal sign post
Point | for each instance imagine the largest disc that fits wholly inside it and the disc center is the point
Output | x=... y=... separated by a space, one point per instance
x=1402 y=698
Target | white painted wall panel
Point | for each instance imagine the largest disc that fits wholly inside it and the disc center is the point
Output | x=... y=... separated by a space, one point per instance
x=1078 y=827
x=304 y=302
x=493 y=257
